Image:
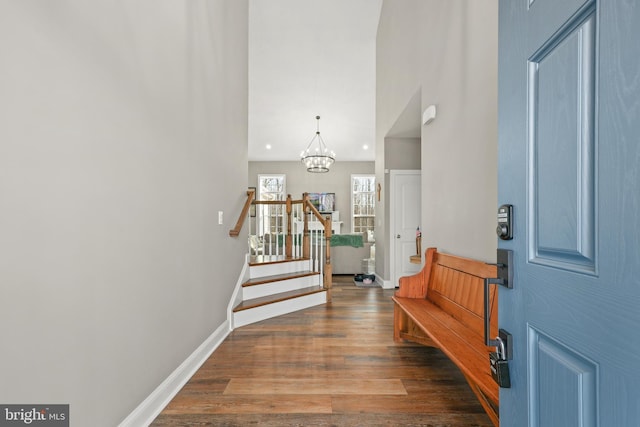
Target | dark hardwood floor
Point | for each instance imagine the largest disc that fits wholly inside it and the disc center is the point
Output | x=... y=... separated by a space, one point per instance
x=333 y=365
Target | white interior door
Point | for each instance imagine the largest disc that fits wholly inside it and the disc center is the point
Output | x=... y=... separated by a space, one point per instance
x=404 y=216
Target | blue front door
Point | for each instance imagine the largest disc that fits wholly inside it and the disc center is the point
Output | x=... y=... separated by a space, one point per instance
x=569 y=162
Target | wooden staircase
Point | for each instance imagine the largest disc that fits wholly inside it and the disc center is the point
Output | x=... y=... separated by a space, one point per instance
x=277 y=286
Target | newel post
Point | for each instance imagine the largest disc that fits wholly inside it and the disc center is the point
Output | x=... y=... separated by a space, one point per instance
x=328 y=270
x=288 y=239
x=306 y=244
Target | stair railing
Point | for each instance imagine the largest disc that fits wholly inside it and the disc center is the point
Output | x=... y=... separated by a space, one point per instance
x=288 y=229
x=235 y=231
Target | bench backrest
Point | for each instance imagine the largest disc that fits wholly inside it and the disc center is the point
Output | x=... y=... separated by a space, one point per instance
x=456 y=285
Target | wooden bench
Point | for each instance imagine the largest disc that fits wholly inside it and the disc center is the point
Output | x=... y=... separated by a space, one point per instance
x=443 y=306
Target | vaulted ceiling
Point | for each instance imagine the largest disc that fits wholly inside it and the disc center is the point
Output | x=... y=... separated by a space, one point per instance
x=309 y=58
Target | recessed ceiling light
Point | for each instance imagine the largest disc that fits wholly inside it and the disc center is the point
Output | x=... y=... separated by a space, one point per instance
x=365 y=147
x=268 y=146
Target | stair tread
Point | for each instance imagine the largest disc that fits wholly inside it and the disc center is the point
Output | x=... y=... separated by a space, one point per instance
x=278 y=277
x=273 y=259
x=283 y=296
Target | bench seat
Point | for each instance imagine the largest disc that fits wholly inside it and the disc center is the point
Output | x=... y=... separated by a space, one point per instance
x=443 y=306
x=453 y=338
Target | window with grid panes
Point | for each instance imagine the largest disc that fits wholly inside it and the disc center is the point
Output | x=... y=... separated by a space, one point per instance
x=271 y=217
x=363 y=202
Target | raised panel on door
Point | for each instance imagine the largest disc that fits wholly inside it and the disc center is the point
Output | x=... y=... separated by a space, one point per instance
x=561 y=147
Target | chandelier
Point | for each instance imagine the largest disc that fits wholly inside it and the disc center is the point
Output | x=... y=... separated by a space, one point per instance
x=320 y=159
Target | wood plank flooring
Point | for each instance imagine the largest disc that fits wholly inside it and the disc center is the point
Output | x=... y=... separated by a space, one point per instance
x=332 y=365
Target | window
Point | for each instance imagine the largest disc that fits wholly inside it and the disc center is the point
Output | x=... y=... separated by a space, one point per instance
x=271 y=217
x=363 y=202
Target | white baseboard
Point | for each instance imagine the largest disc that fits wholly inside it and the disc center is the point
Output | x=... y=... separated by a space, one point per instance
x=386 y=284
x=151 y=407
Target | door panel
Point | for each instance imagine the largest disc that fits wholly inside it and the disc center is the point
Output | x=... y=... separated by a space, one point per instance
x=561 y=147
x=551 y=363
x=569 y=162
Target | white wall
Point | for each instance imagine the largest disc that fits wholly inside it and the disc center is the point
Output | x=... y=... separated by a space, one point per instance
x=123 y=130
x=448 y=50
x=402 y=153
x=337 y=180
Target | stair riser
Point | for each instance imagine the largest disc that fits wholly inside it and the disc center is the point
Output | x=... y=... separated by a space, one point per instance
x=252 y=315
x=257 y=291
x=278 y=268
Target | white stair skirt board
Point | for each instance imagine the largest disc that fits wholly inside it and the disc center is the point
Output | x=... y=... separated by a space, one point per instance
x=262 y=270
x=271 y=288
x=151 y=407
x=256 y=314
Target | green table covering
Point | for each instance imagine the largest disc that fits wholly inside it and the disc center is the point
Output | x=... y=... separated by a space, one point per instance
x=354 y=240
